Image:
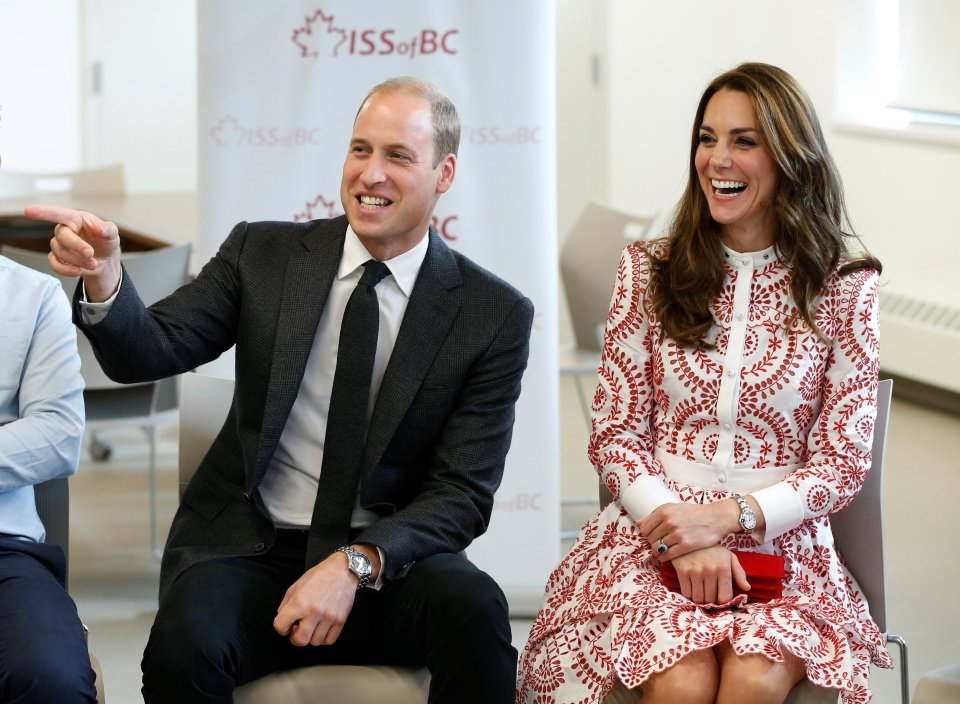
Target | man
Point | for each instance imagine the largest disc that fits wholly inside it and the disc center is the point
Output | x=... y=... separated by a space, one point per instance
x=43 y=647
x=252 y=580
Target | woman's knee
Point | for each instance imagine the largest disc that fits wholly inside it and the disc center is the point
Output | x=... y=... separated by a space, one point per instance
x=692 y=680
x=753 y=678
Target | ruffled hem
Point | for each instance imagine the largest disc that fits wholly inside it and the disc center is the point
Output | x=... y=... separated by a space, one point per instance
x=608 y=617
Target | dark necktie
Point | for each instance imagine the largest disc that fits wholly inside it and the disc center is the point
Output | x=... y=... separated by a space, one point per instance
x=347 y=418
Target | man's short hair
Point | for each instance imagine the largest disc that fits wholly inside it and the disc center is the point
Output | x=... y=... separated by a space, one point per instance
x=446 y=122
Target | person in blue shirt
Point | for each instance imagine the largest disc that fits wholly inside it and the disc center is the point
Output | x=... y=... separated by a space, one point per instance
x=43 y=647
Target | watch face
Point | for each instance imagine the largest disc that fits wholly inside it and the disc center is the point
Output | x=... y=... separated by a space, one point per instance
x=748 y=520
x=360 y=564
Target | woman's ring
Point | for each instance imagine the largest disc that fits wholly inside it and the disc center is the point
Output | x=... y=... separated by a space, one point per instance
x=662 y=547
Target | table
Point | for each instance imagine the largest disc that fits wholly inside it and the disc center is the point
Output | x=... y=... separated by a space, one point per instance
x=146 y=220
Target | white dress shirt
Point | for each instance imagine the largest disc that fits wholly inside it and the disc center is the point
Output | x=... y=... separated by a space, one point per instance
x=41 y=394
x=289 y=487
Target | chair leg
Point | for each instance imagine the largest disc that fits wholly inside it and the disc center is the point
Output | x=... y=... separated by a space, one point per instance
x=904 y=676
x=151 y=431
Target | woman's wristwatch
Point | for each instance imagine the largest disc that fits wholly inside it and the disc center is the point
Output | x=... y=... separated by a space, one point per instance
x=748 y=519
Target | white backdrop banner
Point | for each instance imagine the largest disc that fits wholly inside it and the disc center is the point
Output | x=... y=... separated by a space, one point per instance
x=280 y=83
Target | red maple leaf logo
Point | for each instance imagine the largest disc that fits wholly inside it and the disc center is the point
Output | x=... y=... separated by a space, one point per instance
x=314 y=34
x=319 y=207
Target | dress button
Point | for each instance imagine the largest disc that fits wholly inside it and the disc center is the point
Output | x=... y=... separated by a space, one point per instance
x=259 y=547
x=727 y=426
x=722 y=479
x=745 y=262
x=730 y=374
x=740 y=316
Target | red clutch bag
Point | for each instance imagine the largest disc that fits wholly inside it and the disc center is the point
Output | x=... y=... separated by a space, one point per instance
x=764 y=572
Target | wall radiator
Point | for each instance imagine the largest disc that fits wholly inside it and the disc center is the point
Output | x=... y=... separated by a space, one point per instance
x=920 y=340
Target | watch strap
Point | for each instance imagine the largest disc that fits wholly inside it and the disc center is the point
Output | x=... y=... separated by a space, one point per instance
x=351 y=553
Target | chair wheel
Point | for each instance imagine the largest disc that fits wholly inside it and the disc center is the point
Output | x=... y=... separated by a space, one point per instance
x=100 y=451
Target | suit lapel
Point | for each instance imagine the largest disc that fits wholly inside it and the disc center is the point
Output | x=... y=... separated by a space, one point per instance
x=306 y=285
x=434 y=304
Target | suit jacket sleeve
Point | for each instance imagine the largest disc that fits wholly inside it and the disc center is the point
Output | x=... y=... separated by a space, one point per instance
x=466 y=463
x=191 y=327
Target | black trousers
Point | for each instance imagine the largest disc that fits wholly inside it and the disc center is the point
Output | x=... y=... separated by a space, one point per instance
x=43 y=648
x=214 y=630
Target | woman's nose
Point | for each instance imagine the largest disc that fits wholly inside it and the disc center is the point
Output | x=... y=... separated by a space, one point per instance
x=720 y=156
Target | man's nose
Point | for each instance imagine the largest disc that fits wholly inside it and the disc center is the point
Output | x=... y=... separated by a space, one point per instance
x=373 y=171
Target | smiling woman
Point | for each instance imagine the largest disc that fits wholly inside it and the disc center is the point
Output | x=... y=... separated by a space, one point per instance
x=734 y=414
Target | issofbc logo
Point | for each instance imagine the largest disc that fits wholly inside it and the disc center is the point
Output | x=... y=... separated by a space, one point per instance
x=323 y=35
x=230 y=132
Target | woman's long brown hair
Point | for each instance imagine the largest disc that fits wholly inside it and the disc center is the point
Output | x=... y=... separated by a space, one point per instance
x=813 y=225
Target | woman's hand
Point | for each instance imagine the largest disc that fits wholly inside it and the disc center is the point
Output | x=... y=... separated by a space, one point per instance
x=707 y=576
x=687 y=527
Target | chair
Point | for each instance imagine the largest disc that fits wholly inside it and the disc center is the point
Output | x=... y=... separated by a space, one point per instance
x=204 y=403
x=858 y=535
x=588 y=265
x=53 y=507
x=100 y=180
x=110 y=405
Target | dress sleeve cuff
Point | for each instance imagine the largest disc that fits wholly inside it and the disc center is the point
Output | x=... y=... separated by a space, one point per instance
x=782 y=510
x=646 y=494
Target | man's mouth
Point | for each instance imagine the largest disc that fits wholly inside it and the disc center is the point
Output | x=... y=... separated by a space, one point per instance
x=728 y=188
x=372 y=202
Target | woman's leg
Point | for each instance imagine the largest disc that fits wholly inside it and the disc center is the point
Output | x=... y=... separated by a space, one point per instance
x=755 y=679
x=693 y=680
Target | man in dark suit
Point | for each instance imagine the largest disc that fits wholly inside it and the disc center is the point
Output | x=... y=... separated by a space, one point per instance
x=251 y=582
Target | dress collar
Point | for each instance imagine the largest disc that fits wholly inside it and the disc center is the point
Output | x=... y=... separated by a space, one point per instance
x=751 y=260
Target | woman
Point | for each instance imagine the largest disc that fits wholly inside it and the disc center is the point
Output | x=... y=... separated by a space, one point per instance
x=734 y=411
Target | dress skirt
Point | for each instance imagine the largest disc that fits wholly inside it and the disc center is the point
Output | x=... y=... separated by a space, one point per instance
x=606 y=615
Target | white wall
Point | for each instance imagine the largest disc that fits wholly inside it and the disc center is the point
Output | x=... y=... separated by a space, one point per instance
x=145 y=111
x=39 y=85
x=901 y=194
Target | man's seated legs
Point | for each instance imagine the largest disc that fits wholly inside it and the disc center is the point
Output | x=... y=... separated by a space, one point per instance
x=214 y=630
x=43 y=649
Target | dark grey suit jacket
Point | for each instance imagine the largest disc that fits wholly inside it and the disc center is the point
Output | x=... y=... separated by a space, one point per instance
x=441 y=426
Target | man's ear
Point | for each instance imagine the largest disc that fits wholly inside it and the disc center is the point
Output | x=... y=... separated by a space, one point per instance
x=448 y=169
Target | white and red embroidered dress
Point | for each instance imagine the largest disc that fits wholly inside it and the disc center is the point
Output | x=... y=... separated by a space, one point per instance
x=773 y=411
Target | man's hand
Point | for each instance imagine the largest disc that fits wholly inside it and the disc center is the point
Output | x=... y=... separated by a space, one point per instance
x=82 y=245
x=707 y=576
x=687 y=527
x=316 y=606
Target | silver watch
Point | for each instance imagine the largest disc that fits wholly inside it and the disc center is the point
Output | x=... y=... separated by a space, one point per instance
x=359 y=564
x=748 y=519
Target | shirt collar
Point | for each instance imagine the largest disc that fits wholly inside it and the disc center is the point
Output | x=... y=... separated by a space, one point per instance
x=404 y=267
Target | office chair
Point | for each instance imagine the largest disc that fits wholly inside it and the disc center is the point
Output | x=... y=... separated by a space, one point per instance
x=53 y=507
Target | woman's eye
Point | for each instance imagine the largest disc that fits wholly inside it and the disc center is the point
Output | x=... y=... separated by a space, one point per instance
x=705 y=138
x=747 y=142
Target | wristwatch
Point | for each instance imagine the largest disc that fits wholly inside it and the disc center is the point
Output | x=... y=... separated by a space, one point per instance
x=748 y=519
x=359 y=564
